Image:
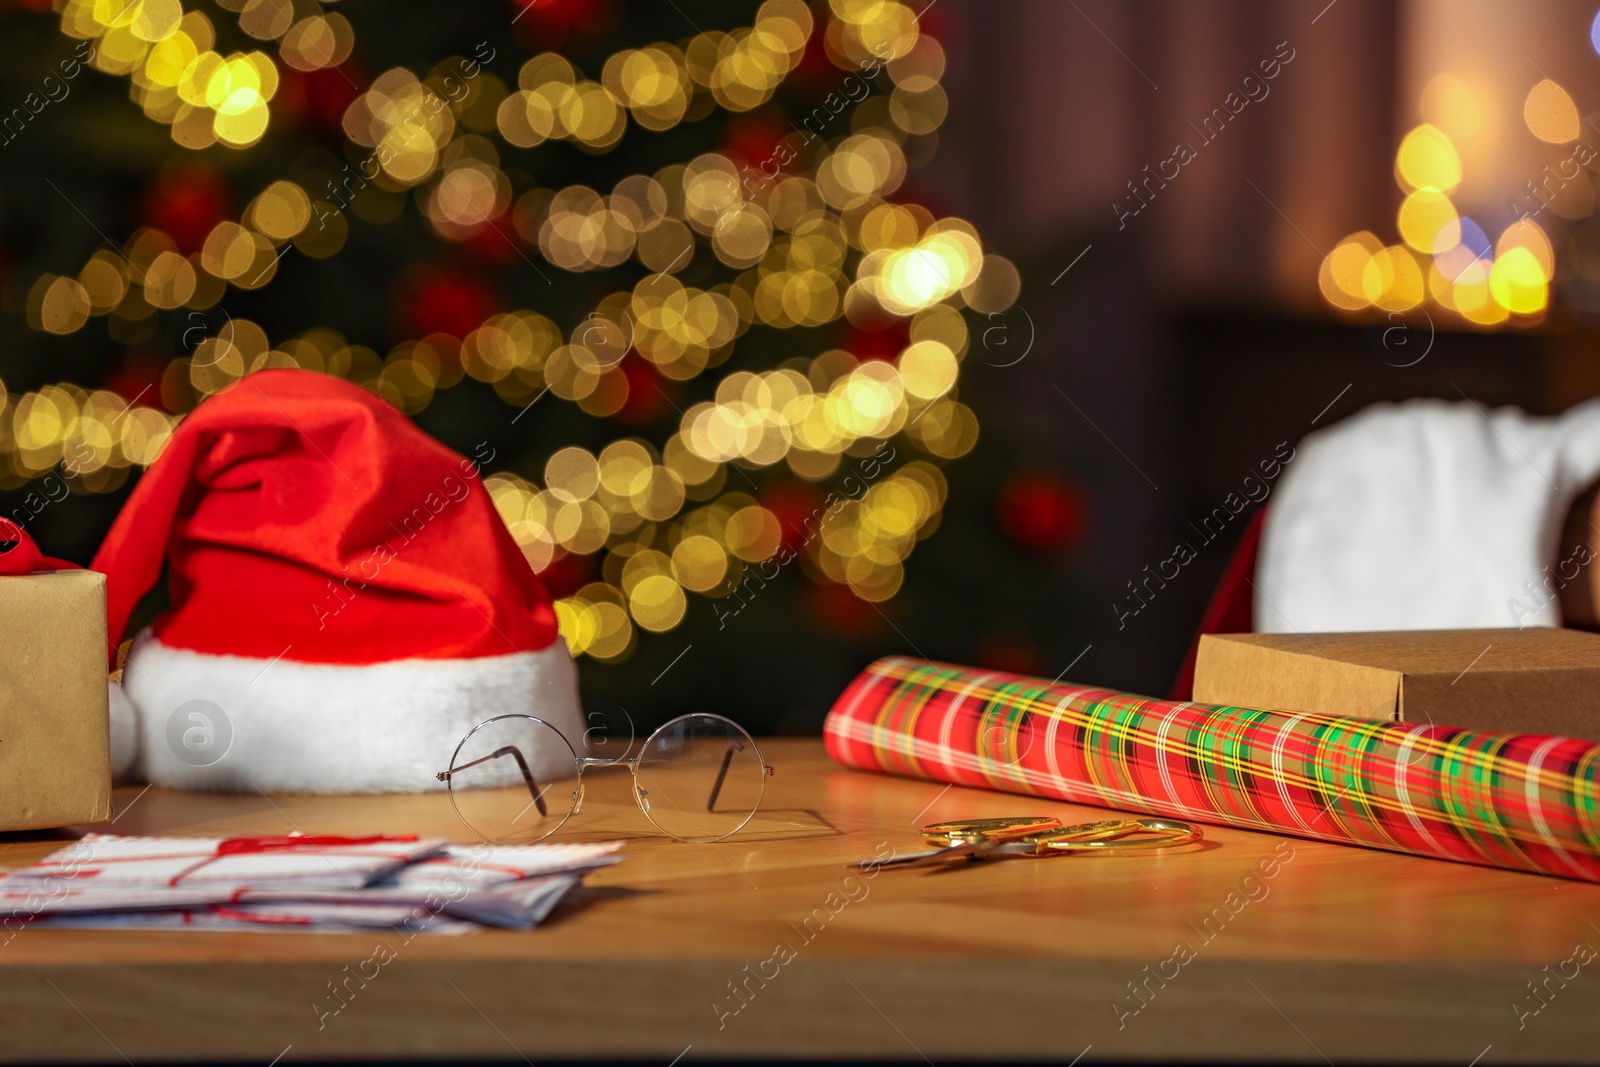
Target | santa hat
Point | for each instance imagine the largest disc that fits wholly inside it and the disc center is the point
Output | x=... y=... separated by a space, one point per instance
x=1423 y=515
x=346 y=601
x=1426 y=515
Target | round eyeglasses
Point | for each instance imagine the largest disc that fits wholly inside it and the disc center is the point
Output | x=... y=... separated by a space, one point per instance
x=515 y=779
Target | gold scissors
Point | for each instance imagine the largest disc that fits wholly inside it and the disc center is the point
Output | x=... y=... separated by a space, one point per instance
x=983 y=839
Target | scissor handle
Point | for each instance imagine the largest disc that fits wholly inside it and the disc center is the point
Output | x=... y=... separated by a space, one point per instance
x=972 y=831
x=1112 y=833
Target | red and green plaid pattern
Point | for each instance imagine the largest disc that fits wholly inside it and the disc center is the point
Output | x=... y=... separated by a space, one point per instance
x=1504 y=800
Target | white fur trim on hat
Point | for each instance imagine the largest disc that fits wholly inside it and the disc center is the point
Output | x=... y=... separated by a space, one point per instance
x=124 y=740
x=239 y=724
x=1425 y=515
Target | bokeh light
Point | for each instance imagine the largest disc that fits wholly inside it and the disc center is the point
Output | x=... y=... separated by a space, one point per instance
x=1550 y=113
x=1427 y=221
x=1451 y=105
x=818 y=244
x=1446 y=261
x=1428 y=160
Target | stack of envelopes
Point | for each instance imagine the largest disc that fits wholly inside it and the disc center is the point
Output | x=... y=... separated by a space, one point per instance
x=337 y=884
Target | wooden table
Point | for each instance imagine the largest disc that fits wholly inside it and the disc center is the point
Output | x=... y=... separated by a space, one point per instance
x=1337 y=954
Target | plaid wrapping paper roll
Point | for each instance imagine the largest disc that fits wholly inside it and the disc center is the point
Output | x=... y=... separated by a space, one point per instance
x=1503 y=800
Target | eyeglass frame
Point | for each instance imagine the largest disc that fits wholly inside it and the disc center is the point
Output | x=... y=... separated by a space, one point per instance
x=639 y=794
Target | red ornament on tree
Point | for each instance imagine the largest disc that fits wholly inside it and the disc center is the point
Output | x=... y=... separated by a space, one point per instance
x=883 y=340
x=1010 y=653
x=495 y=241
x=841 y=613
x=184 y=202
x=436 y=302
x=566 y=574
x=815 y=70
x=321 y=96
x=549 y=24
x=798 y=507
x=649 y=395
x=1041 y=511
x=139 y=380
x=755 y=138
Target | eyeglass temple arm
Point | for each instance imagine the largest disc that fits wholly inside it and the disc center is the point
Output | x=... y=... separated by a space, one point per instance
x=527 y=775
x=722 y=773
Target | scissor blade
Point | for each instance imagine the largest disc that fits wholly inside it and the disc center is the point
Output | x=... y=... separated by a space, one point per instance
x=927 y=857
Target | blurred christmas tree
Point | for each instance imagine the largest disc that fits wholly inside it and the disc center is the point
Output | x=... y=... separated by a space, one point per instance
x=657 y=271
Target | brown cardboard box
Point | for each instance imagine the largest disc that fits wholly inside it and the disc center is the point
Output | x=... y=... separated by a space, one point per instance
x=1535 y=680
x=55 y=749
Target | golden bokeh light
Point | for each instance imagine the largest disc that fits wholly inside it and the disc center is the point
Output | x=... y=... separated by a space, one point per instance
x=169 y=281
x=175 y=77
x=1393 y=280
x=1445 y=260
x=1518 y=282
x=318 y=41
x=266 y=20
x=753 y=533
x=1450 y=104
x=657 y=603
x=105 y=281
x=1428 y=160
x=1425 y=221
x=58 y=305
x=1342 y=277
x=1550 y=113
x=700 y=563
x=927 y=370
x=806 y=238
x=573 y=474
x=1526 y=234
x=281 y=211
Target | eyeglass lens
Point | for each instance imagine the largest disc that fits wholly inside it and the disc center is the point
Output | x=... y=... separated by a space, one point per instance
x=700 y=778
x=514 y=779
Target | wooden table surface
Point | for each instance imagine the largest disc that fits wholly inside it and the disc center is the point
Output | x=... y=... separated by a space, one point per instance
x=1248 y=946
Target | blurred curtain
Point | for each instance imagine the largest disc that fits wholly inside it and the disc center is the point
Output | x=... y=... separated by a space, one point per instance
x=1077 y=98
x=1059 y=104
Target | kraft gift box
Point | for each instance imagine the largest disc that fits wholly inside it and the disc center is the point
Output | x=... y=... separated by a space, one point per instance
x=1537 y=680
x=55 y=760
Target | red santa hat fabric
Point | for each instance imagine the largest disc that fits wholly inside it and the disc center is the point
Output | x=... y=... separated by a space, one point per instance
x=346 y=602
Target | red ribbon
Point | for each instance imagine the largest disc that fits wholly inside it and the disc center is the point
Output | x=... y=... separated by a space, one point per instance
x=18 y=553
x=237 y=845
